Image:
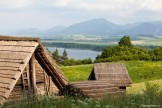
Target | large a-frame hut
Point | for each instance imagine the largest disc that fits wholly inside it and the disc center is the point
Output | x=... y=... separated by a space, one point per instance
x=26 y=66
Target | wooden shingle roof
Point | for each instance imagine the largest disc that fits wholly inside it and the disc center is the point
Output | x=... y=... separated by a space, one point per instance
x=14 y=56
x=114 y=73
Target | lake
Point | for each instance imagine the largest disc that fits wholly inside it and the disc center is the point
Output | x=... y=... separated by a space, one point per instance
x=76 y=53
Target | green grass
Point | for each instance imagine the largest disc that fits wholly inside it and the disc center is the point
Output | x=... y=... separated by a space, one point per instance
x=139 y=87
x=77 y=73
x=139 y=71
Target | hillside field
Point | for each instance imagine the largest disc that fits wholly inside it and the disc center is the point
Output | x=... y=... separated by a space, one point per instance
x=139 y=71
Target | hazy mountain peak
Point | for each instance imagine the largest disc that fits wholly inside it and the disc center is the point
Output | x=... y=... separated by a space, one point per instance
x=101 y=20
x=97 y=21
x=99 y=27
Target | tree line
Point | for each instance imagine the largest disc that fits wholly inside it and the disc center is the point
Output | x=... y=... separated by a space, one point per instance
x=75 y=45
x=126 y=51
x=64 y=60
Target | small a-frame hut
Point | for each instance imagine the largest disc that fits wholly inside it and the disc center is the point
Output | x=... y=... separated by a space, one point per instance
x=114 y=73
x=26 y=66
x=105 y=78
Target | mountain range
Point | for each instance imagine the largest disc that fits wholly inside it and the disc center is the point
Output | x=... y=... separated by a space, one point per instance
x=98 y=27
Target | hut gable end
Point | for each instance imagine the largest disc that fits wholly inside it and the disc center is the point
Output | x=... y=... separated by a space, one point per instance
x=16 y=54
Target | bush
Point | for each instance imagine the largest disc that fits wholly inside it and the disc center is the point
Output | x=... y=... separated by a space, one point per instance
x=151 y=89
x=71 y=62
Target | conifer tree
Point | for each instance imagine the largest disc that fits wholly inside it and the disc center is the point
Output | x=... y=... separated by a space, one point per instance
x=64 y=55
x=56 y=54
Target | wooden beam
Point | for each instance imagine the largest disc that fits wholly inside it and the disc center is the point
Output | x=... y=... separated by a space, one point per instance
x=44 y=65
x=32 y=74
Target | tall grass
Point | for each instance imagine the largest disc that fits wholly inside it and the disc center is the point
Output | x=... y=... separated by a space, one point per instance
x=150 y=96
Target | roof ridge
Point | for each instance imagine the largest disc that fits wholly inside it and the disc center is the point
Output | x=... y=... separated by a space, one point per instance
x=13 y=38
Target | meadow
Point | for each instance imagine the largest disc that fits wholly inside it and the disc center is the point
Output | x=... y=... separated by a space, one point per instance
x=139 y=71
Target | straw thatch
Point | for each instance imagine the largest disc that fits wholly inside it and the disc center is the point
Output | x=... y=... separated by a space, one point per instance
x=16 y=55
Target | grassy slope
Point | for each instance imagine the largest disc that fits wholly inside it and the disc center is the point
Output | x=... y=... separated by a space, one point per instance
x=139 y=87
x=77 y=73
x=139 y=71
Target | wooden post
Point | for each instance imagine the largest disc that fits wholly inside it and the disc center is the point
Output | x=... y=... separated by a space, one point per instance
x=32 y=74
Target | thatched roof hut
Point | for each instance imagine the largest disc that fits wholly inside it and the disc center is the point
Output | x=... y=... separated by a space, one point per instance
x=114 y=73
x=105 y=78
x=25 y=65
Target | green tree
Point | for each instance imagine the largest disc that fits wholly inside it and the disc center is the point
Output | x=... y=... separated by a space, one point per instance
x=56 y=55
x=64 y=55
x=86 y=61
x=125 y=41
x=107 y=52
x=158 y=53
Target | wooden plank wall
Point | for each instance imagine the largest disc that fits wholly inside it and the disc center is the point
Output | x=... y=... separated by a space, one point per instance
x=44 y=85
x=98 y=88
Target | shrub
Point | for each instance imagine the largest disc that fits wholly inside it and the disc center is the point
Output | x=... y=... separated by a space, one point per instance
x=151 y=89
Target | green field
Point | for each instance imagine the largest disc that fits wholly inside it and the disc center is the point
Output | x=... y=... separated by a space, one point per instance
x=139 y=87
x=77 y=73
x=139 y=71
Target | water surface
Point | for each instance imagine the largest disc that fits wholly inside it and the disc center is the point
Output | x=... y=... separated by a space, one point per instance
x=76 y=53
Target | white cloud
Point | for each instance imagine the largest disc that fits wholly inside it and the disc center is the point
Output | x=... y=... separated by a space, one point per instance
x=152 y=5
x=45 y=13
x=11 y=4
x=126 y=6
x=110 y=5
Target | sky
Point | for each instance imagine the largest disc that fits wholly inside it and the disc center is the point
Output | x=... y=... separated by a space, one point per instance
x=44 y=14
